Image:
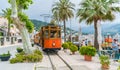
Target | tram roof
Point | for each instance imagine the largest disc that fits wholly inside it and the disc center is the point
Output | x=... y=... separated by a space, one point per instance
x=52 y=25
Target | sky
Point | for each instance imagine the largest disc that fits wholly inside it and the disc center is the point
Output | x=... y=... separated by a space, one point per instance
x=42 y=7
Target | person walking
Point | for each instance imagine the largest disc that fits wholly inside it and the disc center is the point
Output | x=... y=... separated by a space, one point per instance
x=115 y=48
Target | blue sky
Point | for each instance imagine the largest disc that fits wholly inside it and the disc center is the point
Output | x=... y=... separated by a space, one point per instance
x=44 y=7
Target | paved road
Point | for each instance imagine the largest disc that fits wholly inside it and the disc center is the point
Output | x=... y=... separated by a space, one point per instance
x=18 y=66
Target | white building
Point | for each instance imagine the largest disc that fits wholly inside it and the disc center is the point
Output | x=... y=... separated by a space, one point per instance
x=3 y=25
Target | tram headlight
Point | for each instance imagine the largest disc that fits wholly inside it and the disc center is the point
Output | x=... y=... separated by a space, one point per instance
x=53 y=44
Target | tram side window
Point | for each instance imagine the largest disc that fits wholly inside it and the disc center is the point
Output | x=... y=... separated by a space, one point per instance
x=46 y=34
x=59 y=35
x=53 y=34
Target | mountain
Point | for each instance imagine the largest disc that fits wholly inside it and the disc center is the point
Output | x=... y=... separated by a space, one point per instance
x=106 y=28
x=38 y=24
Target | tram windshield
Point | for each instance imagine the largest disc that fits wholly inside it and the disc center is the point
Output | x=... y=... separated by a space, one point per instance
x=55 y=34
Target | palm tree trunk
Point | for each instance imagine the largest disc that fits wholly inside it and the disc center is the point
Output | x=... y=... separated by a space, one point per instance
x=20 y=25
x=96 y=44
x=8 y=34
x=99 y=35
x=64 y=31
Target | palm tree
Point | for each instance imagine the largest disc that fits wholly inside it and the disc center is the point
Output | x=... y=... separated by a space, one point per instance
x=7 y=14
x=62 y=11
x=97 y=10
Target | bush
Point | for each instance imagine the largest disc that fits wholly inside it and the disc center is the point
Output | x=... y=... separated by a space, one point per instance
x=19 y=49
x=36 y=56
x=87 y=50
x=1 y=34
x=37 y=52
x=70 y=43
x=73 y=48
x=33 y=58
x=20 y=57
x=65 y=45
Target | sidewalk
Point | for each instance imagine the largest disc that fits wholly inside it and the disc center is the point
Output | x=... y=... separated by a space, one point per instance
x=5 y=65
x=91 y=65
x=3 y=46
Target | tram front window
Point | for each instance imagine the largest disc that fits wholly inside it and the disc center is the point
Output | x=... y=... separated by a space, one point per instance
x=53 y=34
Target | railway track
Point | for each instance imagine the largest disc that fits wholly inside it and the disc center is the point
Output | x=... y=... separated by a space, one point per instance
x=57 y=62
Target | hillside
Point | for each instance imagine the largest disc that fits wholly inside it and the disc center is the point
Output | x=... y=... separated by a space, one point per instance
x=106 y=28
x=38 y=24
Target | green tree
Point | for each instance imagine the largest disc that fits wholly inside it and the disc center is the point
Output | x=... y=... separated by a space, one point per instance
x=62 y=11
x=21 y=21
x=93 y=11
x=7 y=14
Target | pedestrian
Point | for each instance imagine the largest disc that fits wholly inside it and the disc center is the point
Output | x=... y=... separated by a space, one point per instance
x=115 y=48
x=86 y=42
x=83 y=43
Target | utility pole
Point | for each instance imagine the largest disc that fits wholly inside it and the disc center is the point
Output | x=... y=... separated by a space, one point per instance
x=46 y=16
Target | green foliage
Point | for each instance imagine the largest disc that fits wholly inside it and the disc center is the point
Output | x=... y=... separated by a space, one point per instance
x=104 y=59
x=63 y=10
x=7 y=14
x=119 y=65
x=70 y=43
x=102 y=10
x=36 y=56
x=73 y=48
x=19 y=49
x=65 y=45
x=19 y=58
x=5 y=54
x=30 y=26
x=23 y=4
x=37 y=52
x=1 y=34
x=33 y=57
x=87 y=50
x=24 y=18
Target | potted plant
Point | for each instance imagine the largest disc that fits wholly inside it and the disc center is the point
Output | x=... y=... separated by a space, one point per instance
x=88 y=52
x=73 y=48
x=119 y=65
x=19 y=49
x=105 y=62
x=5 y=56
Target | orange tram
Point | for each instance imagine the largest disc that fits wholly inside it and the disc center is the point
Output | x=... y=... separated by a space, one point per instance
x=49 y=37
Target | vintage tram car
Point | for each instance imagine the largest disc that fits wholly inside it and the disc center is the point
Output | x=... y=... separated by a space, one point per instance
x=49 y=37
